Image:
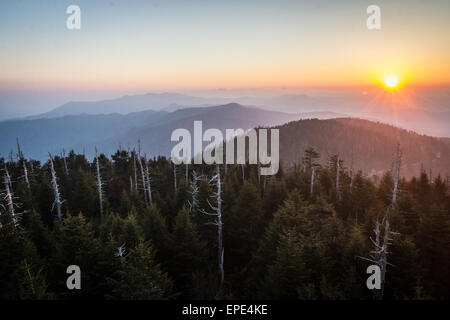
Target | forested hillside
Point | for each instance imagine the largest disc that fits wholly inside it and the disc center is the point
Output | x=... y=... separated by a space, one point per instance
x=146 y=229
x=369 y=145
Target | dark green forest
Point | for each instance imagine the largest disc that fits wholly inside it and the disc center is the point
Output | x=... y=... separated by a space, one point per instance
x=153 y=234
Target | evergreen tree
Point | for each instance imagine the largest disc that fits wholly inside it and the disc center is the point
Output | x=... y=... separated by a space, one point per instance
x=187 y=251
x=32 y=284
x=287 y=275
x=141 y=278
x=76 y=244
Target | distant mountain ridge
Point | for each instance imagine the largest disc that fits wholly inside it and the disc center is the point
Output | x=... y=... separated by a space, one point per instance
x=127 y=104
x=108 y=131
x=418 y=117
x=293 y=103
x=372 y=143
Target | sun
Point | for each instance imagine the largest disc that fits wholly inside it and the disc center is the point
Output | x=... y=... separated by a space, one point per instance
x=391 y=82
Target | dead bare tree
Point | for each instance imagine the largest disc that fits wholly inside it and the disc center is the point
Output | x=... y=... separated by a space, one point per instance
x=379 y=256
x=217 y=212
x=19 y=151
x=143 y=178
x=121 y=251
x=25 y=174
x=8 y=177
x=148 y=182
x=194 y=186
x=383 y=240
x=312 y=180
x=9 y=200
x=135 y=171
x=55 y=186
x=397 y=166
x=66 y=169
x=21 y=157
x=99 y=184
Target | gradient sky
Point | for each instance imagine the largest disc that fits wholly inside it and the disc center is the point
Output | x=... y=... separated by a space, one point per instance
x=178 y=45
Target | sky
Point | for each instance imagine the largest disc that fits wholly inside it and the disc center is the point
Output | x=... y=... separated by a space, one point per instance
x=126 y=47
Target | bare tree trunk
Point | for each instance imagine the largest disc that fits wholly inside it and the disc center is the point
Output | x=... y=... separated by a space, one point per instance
x=312 y=180
x=135 y=171
x=149 y=186
x=194 y=192
x=66 y=169
x=381 y=249
x=9 y=200
x=217 y=212
x=380 y=253
x=8 y=177
x=220 y=225
x=57 y=202
x=25 y=174
x=243 y=173
x=398 y=163
x=19 y=150
x=143 y=179
x=99 y=184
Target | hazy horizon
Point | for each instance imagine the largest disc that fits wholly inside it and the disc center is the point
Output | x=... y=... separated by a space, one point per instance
x=205 y=48
x=23 y=103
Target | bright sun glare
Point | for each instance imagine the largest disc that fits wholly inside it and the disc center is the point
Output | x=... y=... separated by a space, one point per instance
x=391 y=81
